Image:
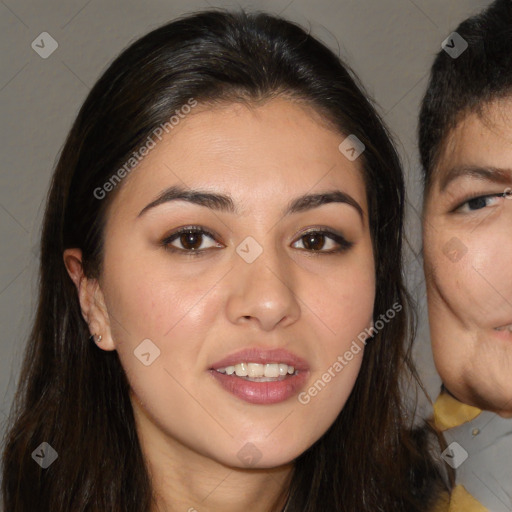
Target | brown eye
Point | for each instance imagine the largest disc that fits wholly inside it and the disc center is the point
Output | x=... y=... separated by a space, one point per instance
x=190 y=239
x=315 y=241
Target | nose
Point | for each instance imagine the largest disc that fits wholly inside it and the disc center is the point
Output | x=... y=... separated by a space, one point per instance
x=263 y=292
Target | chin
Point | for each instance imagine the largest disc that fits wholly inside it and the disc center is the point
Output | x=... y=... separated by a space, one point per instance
x=502 y=405
x=250 y=457
x=488 y=396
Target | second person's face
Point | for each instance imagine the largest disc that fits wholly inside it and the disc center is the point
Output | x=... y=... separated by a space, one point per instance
x=468 y=260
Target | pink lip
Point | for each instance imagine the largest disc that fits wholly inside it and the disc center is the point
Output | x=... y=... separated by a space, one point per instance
x=262 y=393
x=258 y=355
x=505 y=334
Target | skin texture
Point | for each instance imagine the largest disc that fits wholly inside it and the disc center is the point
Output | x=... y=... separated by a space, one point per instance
x=198 y=310
x=467 y=253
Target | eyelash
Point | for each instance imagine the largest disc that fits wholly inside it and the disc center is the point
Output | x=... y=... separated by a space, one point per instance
x=484 y=196
x=344 y=244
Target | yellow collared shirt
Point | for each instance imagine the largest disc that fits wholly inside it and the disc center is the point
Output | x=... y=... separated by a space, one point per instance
x=465 y=423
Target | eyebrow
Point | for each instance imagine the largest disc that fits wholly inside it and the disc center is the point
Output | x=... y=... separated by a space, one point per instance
x=224 y=203
x=492 y=174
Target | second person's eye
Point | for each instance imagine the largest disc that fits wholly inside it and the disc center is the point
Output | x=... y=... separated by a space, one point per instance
x=479 y=203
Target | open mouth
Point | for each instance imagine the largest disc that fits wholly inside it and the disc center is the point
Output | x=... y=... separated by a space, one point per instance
x=262 y=384
x=256 y=372
x=261 y=376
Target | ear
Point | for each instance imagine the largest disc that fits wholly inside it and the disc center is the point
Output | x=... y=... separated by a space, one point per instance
x=92 y=303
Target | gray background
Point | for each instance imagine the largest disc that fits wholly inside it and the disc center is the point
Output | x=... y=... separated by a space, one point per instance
x=389 y=43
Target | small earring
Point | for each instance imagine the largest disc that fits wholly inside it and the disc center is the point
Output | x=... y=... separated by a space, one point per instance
x=91 y=338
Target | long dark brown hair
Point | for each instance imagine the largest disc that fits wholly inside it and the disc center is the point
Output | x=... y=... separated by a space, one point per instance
x=75 y=397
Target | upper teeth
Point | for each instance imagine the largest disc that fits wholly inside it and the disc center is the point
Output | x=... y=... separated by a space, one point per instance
x=258 y=370
x=502 y=328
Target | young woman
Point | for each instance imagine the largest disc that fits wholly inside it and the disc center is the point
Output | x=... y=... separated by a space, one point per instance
x=222 y=323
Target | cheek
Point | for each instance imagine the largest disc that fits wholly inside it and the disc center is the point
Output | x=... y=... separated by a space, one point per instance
x=163 y=342
x=345 y=306
x=470 y=271
x=490 y=258
x=343 y=309
x=490 y=273
x=150 y=295
x=167 y=314
x=352 y=305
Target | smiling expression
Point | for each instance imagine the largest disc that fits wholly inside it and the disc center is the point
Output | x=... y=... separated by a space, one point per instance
x=468 y=256
x=245 y=229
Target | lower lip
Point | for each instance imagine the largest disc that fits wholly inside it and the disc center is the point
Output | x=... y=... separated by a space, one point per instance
x=505 y=334
x=262 y=393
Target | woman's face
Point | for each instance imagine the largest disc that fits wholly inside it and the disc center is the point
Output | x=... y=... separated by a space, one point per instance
x=246 y=287
x=468 y=248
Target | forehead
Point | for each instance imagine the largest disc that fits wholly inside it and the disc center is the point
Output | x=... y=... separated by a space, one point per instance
x=480 y=139
x=269 y=152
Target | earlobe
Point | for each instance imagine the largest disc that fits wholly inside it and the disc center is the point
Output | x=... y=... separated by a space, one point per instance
x=91 y=296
